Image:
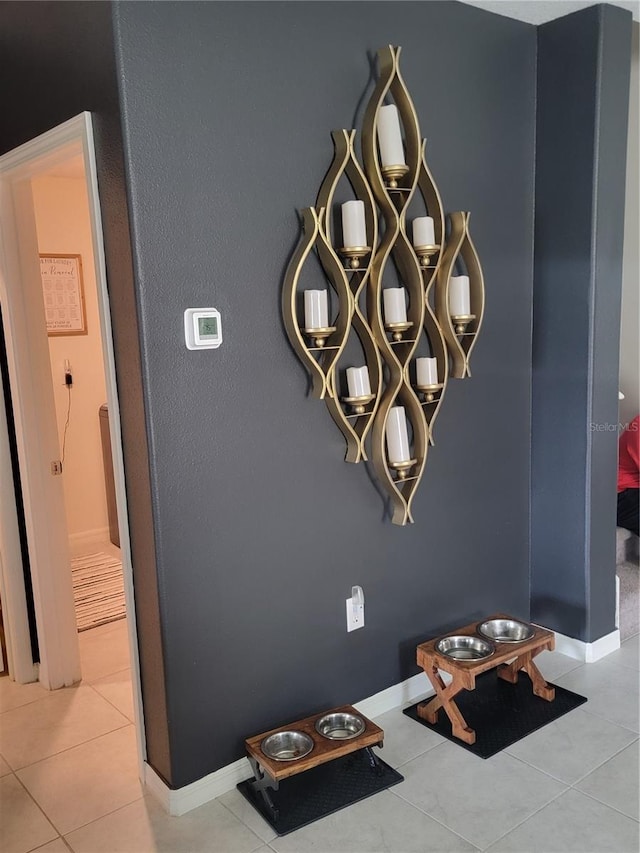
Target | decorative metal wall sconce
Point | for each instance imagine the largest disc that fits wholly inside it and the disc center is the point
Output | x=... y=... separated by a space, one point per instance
x=395 y=396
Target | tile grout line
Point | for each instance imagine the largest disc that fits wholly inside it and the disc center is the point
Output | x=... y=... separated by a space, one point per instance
x=39 y=807
x=69 y=748
x=96 y=819
x=97 y=692
x=544 y=773
x=529 y=817
x=50 y=819
x=418 y=755
x=244 y=823
x=608 y=720
x=599 y=766
x=607 y=805
x=434 y=818
x=580 y=778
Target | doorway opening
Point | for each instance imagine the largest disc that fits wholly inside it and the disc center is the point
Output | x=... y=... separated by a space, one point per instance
x=61 y=372
x=78 y=381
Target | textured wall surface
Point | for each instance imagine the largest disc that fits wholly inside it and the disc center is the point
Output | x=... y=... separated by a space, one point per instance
x=583 y=89
x=261 y=527
x=248 y=529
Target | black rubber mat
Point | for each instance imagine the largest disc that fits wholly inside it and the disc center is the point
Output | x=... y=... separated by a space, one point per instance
x=501 y=713
x=323 y=790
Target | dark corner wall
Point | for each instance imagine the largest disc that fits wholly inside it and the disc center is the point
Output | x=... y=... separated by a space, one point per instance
x=57 y=60
x=583 y=96
x=261 y=527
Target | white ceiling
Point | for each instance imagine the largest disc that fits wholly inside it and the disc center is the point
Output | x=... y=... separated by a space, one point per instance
x=539 y=11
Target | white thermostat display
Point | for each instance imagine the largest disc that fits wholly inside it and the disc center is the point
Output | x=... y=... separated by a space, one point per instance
x=202 y=328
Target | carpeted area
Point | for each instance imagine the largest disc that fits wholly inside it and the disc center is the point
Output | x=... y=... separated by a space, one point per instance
x=98 y=590
x=629 y=616
x=628 y=571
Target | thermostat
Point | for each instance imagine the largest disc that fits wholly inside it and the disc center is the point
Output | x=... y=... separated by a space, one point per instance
x=202 y=328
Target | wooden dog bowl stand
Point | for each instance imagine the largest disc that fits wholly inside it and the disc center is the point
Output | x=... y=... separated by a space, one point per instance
x=464 y=673
x=268 y=773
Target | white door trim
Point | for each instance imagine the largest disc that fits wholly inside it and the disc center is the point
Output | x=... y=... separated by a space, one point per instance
x=36 y=433
x=12 y=591
x=54 y=634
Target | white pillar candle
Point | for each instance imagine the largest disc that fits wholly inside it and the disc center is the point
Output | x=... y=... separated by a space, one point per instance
x=390 y=136
x=358 y=381
x=423 y=233
x=316 y=309
x=426 y=371
x=395 y=309
x=397 y=437
x=459 y=296
x=354 y=229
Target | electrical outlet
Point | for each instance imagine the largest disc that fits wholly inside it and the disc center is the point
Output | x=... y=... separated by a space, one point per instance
x=56 y=467
x=355 y=610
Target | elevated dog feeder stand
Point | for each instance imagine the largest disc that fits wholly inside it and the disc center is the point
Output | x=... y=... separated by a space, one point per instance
x=509 y=658
x=269 y=772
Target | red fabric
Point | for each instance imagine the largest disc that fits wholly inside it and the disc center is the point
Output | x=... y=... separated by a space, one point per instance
x=629 y=457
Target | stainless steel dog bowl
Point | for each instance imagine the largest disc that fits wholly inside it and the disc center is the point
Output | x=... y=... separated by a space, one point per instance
x=506 y=631
x=340 y=726
x=465 y=648
x=287 y=746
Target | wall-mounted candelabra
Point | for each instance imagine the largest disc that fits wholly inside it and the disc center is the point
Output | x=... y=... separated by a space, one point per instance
x=394 y=397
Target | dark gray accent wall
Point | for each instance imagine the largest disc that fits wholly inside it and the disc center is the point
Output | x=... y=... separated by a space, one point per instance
x=248 y=529
x=261 y=528
x=57 y=60
x=583 y=90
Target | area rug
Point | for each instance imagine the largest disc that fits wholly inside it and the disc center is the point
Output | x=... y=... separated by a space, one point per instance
x=501 y=713
x=629 y=616
x=98 y=590
x=325 y=789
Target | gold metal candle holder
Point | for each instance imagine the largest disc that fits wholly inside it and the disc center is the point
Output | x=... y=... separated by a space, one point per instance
x=425 y=253
x=392 y=173
x=398 y=329
x=319 y=336
x=356 y=271
x=461 y=321
x=403 y=469
x=353 y=254
x=358 y=404
x=429 y=391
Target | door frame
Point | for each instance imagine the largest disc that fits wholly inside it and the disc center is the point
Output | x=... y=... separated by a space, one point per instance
x=37 y=441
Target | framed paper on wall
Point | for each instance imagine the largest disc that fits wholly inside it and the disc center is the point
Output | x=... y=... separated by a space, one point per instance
x=63 y=293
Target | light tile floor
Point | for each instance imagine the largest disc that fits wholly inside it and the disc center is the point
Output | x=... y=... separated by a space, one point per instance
x=68 y=777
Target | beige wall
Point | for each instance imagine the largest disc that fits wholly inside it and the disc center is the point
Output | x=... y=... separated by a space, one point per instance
x=62 y=220
x=630 y=318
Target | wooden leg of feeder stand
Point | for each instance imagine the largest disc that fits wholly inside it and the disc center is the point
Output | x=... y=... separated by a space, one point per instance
x=260 y=783
x=444 y=699
x=509 y=672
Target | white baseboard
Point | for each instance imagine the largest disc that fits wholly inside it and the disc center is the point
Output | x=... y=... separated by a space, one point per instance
x=88 y=539
x=398 y=695
x=183 y=800
x=180 y=801
x=588 y=652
